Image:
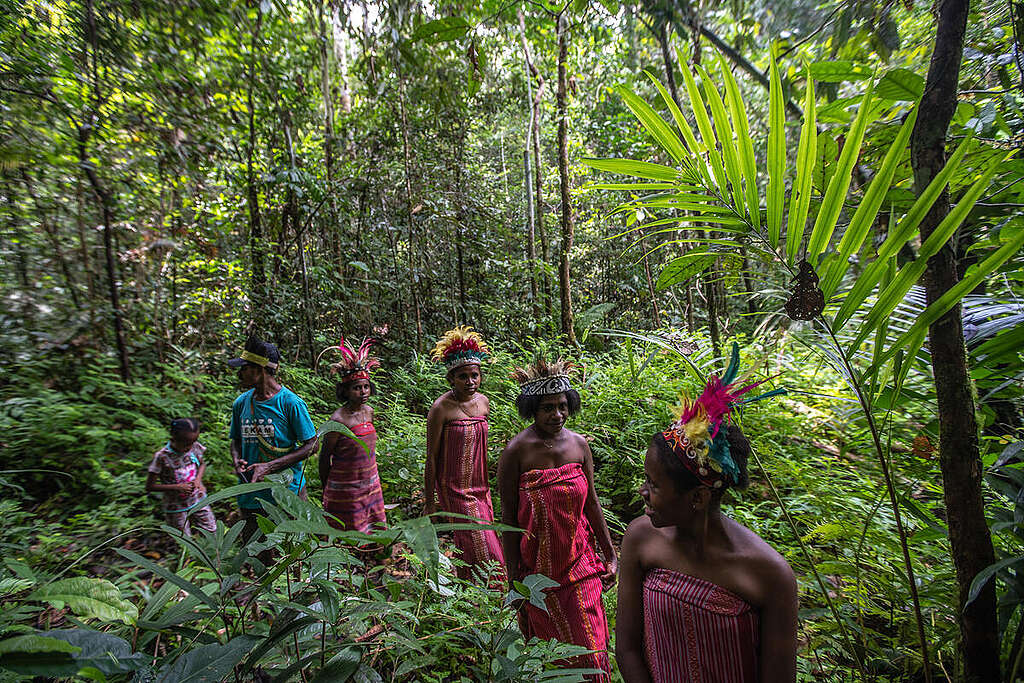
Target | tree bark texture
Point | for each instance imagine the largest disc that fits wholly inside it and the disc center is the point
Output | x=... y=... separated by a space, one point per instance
x=958 y=428
x=564 y=283
x=538 y=176
x=407 y=159
x=257 y=269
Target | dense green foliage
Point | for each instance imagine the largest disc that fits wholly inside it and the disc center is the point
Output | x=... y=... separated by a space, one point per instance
x=177 y=176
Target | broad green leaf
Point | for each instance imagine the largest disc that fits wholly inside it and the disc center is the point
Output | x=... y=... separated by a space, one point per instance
x=209 y=663
x=724 y=133
x=653 y=122
x=105 y=652
x=87 y=597
x=905 y=230
x=442 y=30
x=835 y=195
x=806 y=161
x=638 y=169
x=340 y=667
x=975 y=276
x=35 y=643
x=838 y=71
x=334 y=426
x=684 y=268
x=860 y=225
x=900 y=84
x=707 y=134
x=745 y=147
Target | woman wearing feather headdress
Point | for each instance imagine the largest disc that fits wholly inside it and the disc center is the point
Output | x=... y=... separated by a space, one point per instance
x=456 y=467
x=701 y=597
x=546 y=479
x=353 y=498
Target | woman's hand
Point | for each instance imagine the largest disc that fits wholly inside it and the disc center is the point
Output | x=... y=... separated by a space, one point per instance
x=611 y=570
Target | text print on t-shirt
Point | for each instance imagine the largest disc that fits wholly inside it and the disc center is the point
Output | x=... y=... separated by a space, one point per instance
x=261 y=426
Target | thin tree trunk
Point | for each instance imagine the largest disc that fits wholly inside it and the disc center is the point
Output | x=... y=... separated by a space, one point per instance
x=51 y=234
x=258 y=276
x=538 y=173
x=958 y=429
x=292 y=205
x=407 y=161
x=104 y=197
x=656 y=317
x=564 y=282
x=531 y=244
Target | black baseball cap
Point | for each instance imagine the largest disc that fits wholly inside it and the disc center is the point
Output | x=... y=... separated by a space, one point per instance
x=258 y=352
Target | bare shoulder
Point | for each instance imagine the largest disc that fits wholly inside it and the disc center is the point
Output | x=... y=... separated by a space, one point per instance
x=440 y=406
x=577 y=439
x=337 y=415
x=519 y=444
x=639 y=532
x=765 y=561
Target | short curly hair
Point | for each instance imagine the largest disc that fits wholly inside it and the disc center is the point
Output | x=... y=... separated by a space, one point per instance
x=527 y=405
x=685 y=480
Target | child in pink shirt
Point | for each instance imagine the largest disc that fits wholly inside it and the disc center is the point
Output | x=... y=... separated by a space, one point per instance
x=177 y=470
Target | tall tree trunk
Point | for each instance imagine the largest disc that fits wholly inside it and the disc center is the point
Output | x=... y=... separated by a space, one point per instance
x=292 y=205
x=656 y=316
x=958 y=428
x=257 y=273
x=51 y=233
x=411 y=261
x=538 y=172
x=564 y=282
x=531 y=242
x=329 y=138
x=103 y=195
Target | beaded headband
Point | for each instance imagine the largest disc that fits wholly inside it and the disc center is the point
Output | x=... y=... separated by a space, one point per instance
x=543 y=378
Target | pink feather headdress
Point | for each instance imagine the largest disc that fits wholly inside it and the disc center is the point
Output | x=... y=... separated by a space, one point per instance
x=355 y=363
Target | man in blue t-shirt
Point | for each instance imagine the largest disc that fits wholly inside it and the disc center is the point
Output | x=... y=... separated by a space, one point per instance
x=271 y=433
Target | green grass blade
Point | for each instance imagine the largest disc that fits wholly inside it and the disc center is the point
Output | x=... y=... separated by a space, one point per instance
x=707 y=134
x=975 y=276
x=744 y=146
x=905 y=230
x=776 y=157
x=806 y=162
x=864 y=217
x=652 y=121
x=724 y=131
x=835 y=195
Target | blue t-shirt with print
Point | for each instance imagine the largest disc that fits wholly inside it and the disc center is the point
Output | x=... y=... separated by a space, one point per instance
x=283 y=422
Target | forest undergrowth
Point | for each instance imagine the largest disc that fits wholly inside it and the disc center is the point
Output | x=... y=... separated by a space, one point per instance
x=76 y=507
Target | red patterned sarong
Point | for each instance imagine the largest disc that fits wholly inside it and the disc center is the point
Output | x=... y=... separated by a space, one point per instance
x=352 y=491
x=558 y=543
x=463 y=488
x=697 y=632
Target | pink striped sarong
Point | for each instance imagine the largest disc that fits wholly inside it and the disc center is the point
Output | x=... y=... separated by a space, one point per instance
x=697 y=632
x=463 y=488
x=352 y=491
x=558 y=543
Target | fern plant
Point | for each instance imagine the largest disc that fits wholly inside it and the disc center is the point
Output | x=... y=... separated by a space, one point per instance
x=714 y=182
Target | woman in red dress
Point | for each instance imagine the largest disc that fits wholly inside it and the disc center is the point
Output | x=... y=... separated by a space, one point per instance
x=546 y=479
x=701 y=597
x=353 y=499
x=456 y=467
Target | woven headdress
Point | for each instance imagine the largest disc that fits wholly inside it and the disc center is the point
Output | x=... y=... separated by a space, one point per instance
x=355 y=363
x=698 y=435
x=460 y=346
x=543 y=378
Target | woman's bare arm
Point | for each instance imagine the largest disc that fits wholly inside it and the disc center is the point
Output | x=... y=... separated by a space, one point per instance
x=508 y=488
x=595 y=515
x=435 y=431
x=629 y=619
x=779 y=624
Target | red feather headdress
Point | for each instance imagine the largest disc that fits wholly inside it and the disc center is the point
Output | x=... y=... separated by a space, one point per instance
x=355 y=363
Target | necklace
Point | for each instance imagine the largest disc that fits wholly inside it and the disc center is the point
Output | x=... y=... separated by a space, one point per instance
x=550 y=443
x=463 y=409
